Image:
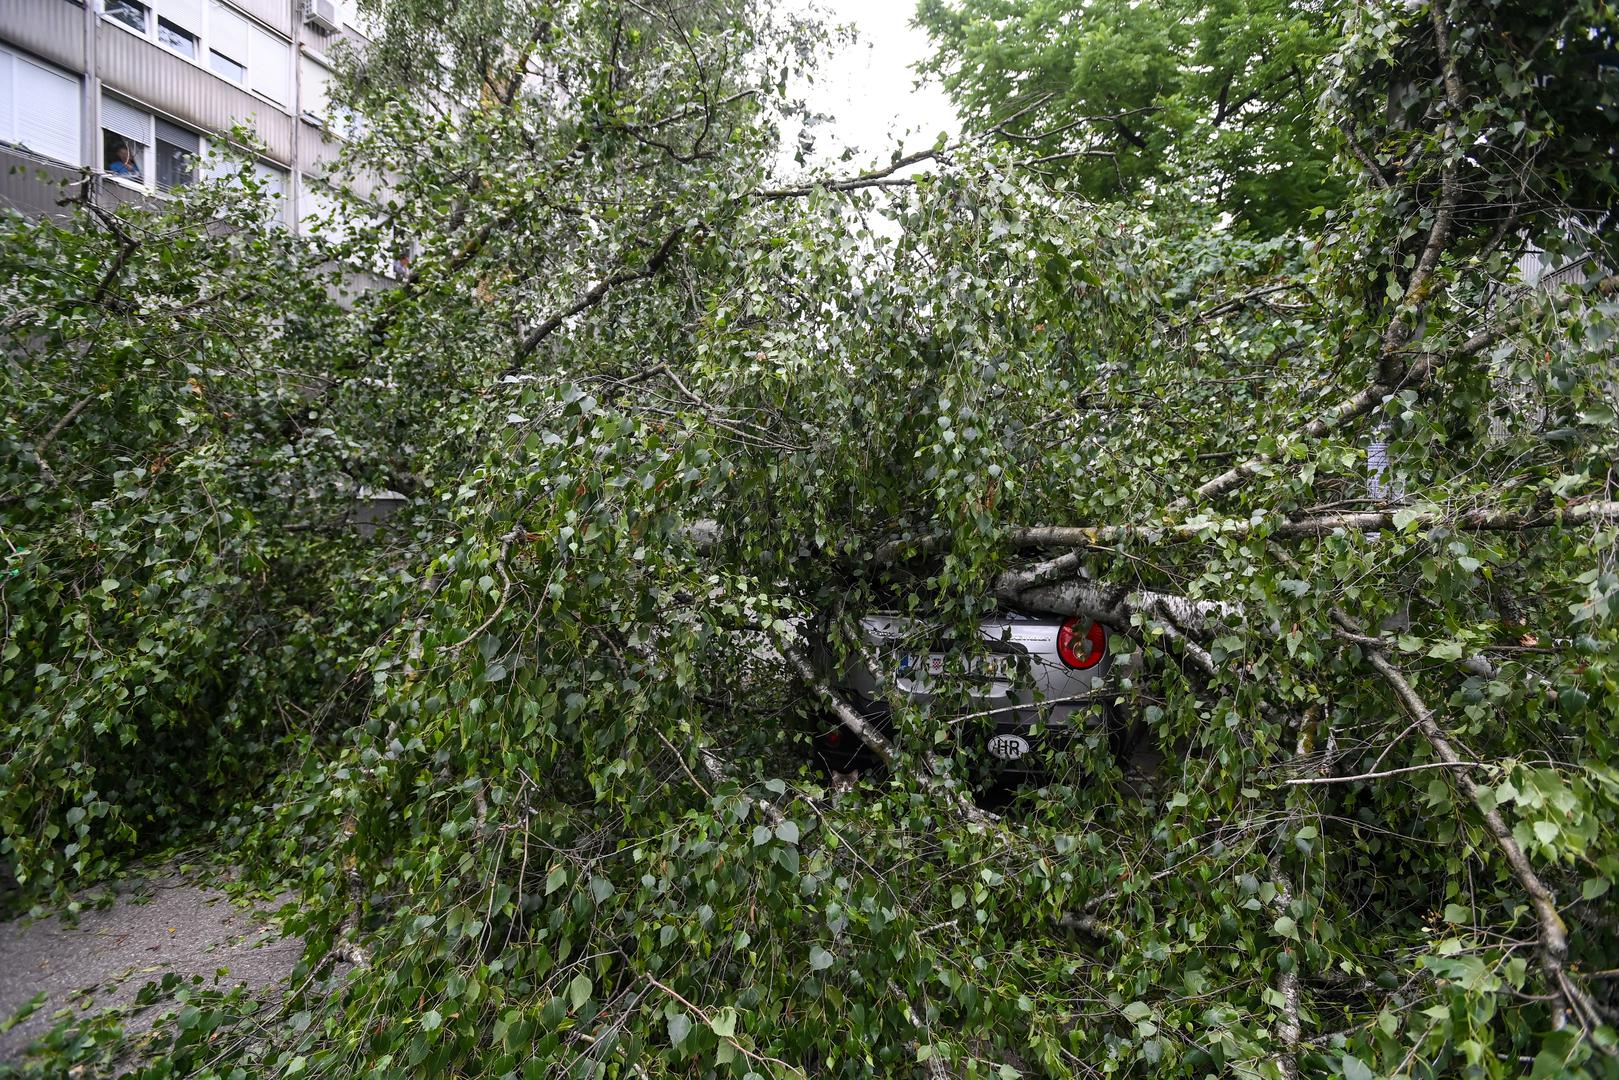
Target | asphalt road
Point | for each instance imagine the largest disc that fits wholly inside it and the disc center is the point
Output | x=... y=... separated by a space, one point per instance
x=156 y=926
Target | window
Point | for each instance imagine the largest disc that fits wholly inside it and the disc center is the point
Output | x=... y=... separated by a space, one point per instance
x=177 y=153
x=177 y=39
x=142 y=149
x=357 y=19
x=271 y=180
x=274 y=185
x=316 y=90
x=39 y=108
x=321 y=211
x=131 y=14
x=233 y=46
x=180 y=25
x=227 y=40
x=224 y=65
x=315 y=95
x=125 y=156
x=126 y=141
x=227 y=32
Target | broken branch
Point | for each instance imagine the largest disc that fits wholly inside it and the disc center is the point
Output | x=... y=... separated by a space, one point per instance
x=1552 y=945
x=1485 y=520
x=595 y=295
x=874 y=740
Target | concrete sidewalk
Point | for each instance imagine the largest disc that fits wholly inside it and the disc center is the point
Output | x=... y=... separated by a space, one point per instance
x=165 y=924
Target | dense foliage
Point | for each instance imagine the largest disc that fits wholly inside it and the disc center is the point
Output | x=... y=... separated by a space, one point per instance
x=1209 y=100
x=532 y=757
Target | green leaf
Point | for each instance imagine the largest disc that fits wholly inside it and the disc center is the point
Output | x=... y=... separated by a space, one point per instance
x=24 y=1011
x=679 y=1027
x=1546 y=831
x=431 y=1020
x=579 y=990
x=1594 y=887
x=1355 y=1069
x=1137 y=1011
x=787 y=832
x=819 y=958
x=1285 y=926
x=723 y=1022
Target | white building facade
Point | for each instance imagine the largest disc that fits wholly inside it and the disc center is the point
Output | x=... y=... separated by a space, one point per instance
x=137 y=92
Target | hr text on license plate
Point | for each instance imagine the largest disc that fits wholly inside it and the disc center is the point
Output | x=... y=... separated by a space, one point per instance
x=1008 y=747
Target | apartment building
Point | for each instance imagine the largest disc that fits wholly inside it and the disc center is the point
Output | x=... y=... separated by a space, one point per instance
x=136 y=91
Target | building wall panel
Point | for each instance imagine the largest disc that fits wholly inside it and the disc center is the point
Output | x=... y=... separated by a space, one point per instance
x=276 y=14
x=317 y=152
x=50 y=29
x=152 y=76
x=36 y=187
x=330 y=44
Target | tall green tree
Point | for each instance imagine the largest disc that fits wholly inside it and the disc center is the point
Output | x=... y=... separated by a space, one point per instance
x=1139 y=100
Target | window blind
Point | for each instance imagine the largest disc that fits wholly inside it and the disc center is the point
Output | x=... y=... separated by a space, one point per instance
x=39 y=108
x=179 y=137
x=227 y=33
x=126 y=120
x=8 y=97
x=267 y=65
x=186 y=14
x=316 y=90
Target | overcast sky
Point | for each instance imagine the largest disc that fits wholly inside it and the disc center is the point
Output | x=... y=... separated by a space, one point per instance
x=869 y=87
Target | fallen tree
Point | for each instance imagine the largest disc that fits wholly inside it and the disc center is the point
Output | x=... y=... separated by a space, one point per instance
x=529 y=752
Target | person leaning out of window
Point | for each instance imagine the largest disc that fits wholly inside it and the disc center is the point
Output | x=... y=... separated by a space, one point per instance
x=124 y=164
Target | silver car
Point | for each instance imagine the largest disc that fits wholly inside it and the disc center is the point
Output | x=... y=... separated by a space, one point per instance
x=1036 y=682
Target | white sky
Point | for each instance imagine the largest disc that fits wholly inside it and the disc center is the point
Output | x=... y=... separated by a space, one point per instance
x=869 y=89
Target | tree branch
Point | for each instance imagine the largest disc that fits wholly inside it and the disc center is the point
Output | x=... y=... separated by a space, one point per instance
x=56 y=429
x=874 y=740
x=884 y=177
x=1289 y=1029
x=1552 y=946
x=1301 y=781
x=1370 y=521
x=874 y=178
x=593 y=296
x=1359 y=405
x=1110 y=606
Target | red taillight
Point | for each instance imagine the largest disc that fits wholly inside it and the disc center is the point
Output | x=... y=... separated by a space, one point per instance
x=1092 y=641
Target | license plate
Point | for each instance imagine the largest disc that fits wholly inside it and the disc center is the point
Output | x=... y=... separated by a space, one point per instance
x=992 y=666
x=1008 y=747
